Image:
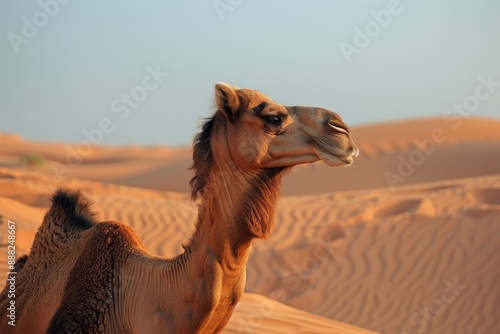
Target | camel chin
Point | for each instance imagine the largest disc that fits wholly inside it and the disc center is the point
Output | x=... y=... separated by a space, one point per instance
x=334 y=159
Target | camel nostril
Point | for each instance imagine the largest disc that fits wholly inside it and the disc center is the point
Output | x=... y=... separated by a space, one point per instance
x=337 y=127
x=336 y=123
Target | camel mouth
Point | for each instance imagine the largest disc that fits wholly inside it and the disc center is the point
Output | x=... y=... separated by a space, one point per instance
x=325 y=153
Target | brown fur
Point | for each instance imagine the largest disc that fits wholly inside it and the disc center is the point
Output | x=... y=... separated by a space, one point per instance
x=202 y=157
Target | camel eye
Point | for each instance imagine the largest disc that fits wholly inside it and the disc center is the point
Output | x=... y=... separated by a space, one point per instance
x=273 y=120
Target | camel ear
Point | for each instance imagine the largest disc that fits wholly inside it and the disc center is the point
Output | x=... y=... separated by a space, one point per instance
x=226 y=98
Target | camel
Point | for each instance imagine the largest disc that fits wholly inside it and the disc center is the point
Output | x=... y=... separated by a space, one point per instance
x=84 y=276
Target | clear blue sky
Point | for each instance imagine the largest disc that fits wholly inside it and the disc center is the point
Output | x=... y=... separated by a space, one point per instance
x=65 y=78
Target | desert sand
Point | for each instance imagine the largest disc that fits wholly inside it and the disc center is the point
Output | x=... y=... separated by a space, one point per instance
x=404 y=241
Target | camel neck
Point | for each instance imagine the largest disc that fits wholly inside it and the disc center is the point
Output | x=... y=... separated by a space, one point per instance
x=236 y=206
x=236 y=209
x=237 y=203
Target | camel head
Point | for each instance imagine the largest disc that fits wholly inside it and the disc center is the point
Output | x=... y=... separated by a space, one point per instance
x=251 y=132
x=261 y=133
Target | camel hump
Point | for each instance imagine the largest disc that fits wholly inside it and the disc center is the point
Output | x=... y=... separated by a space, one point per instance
x=70 y=207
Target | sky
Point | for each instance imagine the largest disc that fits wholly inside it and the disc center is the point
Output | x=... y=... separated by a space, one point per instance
x=131 y=72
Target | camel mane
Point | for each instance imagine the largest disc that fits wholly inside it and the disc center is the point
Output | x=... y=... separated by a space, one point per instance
x=202 y=157
x=202 y=152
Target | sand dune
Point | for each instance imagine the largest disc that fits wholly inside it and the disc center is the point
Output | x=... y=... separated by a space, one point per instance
x=258 y=314
x=419 y=258
x=383 y=148
x=163 y=221
x=389 y=258
x=376 y=259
